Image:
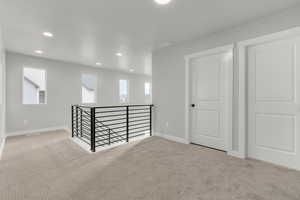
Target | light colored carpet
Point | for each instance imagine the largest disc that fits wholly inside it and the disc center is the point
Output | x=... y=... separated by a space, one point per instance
x=51 y=167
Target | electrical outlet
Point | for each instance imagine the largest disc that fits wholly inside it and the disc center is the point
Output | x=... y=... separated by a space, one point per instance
x=167 y=124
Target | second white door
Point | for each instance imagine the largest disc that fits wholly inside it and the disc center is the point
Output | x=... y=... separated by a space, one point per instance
x=211 y=99
x=274 y=102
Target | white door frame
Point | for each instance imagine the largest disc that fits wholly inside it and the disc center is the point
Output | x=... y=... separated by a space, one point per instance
x=228 y=137
x=243 y=90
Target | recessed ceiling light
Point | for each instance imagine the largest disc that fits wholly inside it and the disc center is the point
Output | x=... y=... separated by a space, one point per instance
x=119 y=54
x=131 y=70
x=39 y=51
x=48 y=34
x=98 y=63
x=162 y=2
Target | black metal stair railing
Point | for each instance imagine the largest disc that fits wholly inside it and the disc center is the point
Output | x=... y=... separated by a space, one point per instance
x=104 y=126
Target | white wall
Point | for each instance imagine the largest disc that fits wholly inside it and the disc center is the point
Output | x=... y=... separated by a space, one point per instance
x=2 y=90
x=63 y=89
x=169 y=76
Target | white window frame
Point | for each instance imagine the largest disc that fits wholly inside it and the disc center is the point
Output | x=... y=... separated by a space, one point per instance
x=46 y=87
x=150 y=89
x=96 y=88
x=128 y=91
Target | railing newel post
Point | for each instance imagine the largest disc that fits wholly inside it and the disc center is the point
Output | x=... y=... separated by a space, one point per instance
x=109 y=136
x=80 y=122
x=72 y=118
x=127 y=123
x=93 y=130
x=76 y=120
x=150 y=120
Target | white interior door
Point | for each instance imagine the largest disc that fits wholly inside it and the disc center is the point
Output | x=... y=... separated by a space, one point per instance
x=211 y=99
x=274 y=102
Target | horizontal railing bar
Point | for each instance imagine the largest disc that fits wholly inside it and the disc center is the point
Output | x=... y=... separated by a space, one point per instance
x=87 y=132
x=99 y=126
x=114 y=138
x=139 y=124
x=82 y=106
x=139 y=131
x=123 y=138
x=102 y=135
x=77 y=130
x=113 y=124
x=85 y=117
x=86 y=125
x=101 y=145
x=138 y=109
x=107 y=134
x=84 y=120
x=112 y=120
x=118 y=127
x=122 y=106
x=148 y=126
x=111 y=116
x=84 y=132
x=120 y=140
x=99 y=129
x=138 y=116
x=98 y=136
x=102 y=138
x=114 y=128
x=119 y=131
x=139 y=120
x=110 y=111
x=104 y=144
x=136 y=113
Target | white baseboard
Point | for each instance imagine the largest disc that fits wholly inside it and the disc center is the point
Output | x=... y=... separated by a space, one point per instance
x=29 y=132
x=172 y=138
x=235 y=154
x=2 y=147
x=68 y=129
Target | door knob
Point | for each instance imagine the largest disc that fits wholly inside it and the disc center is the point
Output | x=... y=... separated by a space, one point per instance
x=193 y=105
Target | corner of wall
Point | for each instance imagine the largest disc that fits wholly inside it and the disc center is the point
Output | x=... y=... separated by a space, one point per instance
x=2 y=92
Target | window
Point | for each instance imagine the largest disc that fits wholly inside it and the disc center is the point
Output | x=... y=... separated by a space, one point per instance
x=88 y=89
x=34 y=86
x=147 y=89
x=123 y=91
